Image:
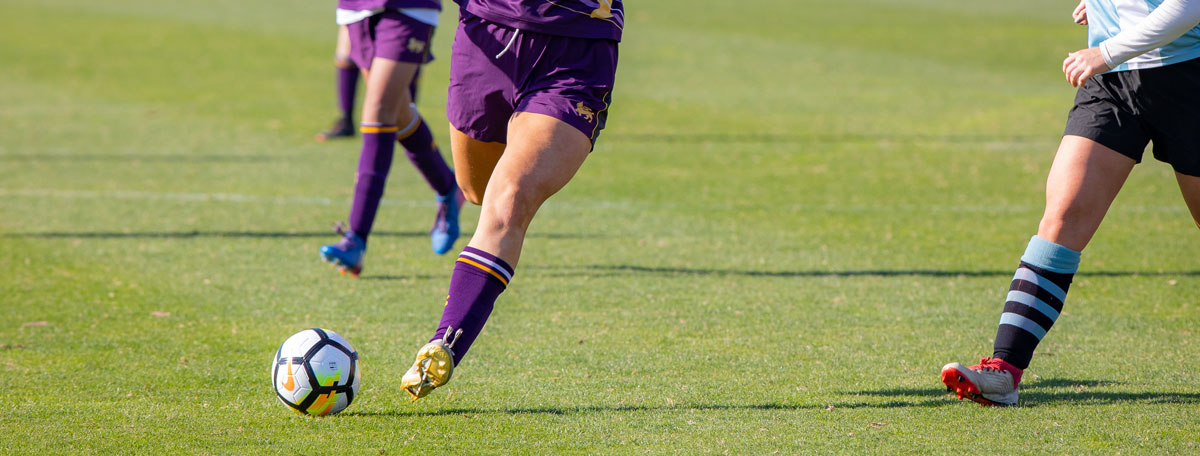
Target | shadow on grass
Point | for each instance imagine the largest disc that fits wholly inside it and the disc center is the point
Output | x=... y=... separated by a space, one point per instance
x=650 y=408
x=196 y=234
x=1067 y=383
x=1054 y=391
x=386 y=277
x=1060 y=391
x=145 y=158
x=792 y=138
x=633 y=269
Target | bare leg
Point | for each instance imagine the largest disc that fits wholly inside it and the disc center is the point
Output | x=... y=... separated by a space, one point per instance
x=474 y=162
x=1190 y=185
x=1083 y=182
x=387 y=98
x=341 y=50
x=543 y=154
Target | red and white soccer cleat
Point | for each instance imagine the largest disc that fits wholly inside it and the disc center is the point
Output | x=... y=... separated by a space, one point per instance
x=991 y=382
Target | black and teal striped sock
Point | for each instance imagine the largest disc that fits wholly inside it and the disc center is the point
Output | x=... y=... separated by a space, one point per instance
x=1035 y=300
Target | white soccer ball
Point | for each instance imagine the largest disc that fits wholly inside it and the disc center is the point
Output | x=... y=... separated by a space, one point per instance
x=315 y=372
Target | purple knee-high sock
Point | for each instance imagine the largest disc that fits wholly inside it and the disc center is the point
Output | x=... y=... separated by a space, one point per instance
x=424 y=154
x=379 y=144
x=347 y=83
x=477 y=281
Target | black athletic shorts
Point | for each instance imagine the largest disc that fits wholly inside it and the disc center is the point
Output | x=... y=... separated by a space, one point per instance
x=1125 y=110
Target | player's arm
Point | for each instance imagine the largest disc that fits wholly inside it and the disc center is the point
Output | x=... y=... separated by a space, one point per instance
x=1166 y=23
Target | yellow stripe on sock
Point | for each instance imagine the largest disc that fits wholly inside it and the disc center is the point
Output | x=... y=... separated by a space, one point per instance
x=389 y=129
x=485 y=269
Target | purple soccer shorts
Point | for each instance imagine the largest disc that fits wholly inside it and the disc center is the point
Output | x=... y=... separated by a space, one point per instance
x=390 y=35
x=496 y=71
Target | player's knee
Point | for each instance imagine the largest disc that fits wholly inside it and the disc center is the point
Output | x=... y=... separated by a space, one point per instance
x=511 y=208
x=342 y=61
x=408 y=120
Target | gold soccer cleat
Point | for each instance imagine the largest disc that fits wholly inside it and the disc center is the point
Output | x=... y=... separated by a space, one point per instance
x=433 y=367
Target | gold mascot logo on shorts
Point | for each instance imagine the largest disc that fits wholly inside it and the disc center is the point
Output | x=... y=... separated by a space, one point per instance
x=604 y=11
x=415 y=45
x=587 y=113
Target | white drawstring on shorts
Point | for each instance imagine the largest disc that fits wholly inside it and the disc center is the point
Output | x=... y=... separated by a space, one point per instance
x=510 y=42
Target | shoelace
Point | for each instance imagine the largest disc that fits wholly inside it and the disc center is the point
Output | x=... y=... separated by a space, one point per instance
x=449 y=341
x=440 y=221
x=987 y=364
x=347 y=242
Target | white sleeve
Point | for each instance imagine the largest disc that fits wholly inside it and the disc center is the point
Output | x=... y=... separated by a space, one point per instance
x=1166 y=23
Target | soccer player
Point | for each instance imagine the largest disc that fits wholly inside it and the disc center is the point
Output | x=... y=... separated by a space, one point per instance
x=389 y=41
x=1139 y=83
x=530 y=85
x=347 y=86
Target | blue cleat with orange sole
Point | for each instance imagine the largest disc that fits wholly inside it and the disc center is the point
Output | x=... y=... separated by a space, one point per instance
x=347 y=254
x=445 y=227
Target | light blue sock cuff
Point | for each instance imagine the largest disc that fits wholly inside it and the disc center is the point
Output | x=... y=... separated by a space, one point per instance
x=1050 y=256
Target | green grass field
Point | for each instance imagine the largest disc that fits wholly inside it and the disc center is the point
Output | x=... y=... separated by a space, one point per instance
x=799 y=212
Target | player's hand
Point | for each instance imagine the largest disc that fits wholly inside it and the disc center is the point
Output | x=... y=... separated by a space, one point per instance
x=1080 y=13
x=1083 y=64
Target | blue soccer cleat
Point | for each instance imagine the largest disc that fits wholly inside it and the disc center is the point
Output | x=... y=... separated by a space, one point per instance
x=445 y=226
x=347 y=254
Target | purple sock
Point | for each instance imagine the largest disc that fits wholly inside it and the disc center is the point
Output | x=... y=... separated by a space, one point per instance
x=424 y=154
x=379 y=144
x=477 y=281
x=347 y=83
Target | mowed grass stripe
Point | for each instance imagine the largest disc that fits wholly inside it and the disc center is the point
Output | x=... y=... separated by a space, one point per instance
x=623 y=206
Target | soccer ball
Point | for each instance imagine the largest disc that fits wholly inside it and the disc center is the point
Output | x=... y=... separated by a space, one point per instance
x=315 y=372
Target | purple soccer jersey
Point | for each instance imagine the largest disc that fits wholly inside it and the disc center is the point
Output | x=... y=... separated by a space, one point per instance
x=359 y=5
x=597 y=19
